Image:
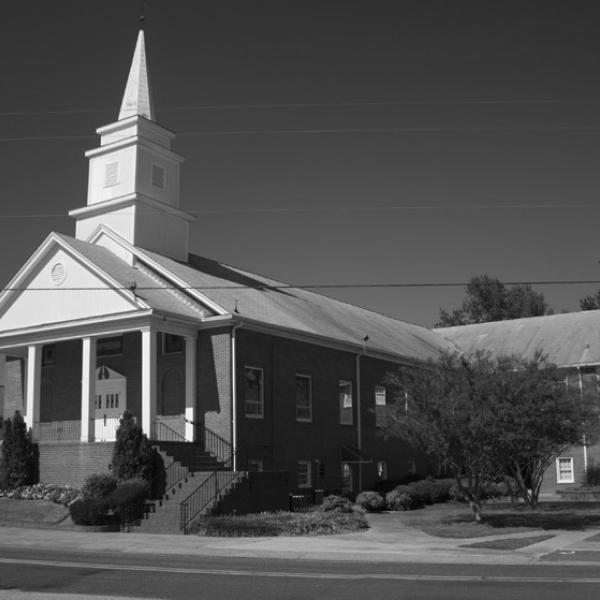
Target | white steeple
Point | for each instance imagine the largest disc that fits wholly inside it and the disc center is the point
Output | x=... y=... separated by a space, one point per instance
x=137 y=99
x=133 y=185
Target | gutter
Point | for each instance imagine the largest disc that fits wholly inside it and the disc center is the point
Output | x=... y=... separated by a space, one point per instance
x=234 y=435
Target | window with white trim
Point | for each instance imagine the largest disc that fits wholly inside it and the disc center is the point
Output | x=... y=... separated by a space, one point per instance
x=255 y=464
x=564 y=470
x=303 y=398
x=304 y=473
x=380 y=405
x=253 y=392
x=345 y=399
x=381 y=469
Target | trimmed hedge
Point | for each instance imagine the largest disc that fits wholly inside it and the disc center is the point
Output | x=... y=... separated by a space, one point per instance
x=128 y=499
x=370 y=501
x=99 y=486
x=404 y=497
x=337 y=503
x=89 y=511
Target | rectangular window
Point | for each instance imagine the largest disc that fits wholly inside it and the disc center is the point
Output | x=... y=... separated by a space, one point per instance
x=303 y=473
x=172 y=344
x=109 y=346
x=345 y=397
x=564 y=470
x=48 y=359
x=158 y=176
x=303 y=398
x=381 y=469
x=255 y=464
x=253 y=392
x=380 y=404
x=111 y=174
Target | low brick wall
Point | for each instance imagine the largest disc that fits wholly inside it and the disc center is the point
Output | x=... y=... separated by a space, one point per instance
x=69 y=463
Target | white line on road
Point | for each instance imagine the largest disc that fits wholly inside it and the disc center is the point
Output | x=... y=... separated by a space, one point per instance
x=287 y=574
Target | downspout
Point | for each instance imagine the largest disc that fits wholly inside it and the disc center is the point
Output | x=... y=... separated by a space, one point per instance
x=234 y=436
x=585 y=456
x=358 y=415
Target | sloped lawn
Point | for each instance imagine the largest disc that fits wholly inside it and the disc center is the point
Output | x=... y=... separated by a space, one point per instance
x=454 y=520
x=31 y=512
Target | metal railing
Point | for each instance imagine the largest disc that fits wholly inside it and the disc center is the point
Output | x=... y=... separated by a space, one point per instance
x=215 y=444
x=302 y=502
x=205 y=494
x=57 y=431
x=165 y=433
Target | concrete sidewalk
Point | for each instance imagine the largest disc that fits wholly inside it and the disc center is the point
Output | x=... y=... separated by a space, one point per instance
x=388 y=540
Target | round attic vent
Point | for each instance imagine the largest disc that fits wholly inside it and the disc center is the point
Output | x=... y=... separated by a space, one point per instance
x=58 y=273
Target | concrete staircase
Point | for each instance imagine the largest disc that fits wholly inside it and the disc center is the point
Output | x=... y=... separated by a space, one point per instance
x=193 y=467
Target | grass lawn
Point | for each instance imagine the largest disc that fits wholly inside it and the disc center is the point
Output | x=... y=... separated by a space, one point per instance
x=509 y=543
x=281 y=523
x=23 y=512
x=454 y=520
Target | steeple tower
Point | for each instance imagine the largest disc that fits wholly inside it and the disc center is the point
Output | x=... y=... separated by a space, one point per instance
x=133 y=186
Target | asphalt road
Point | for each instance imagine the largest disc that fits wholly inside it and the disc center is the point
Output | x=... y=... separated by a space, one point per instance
x=211 y=578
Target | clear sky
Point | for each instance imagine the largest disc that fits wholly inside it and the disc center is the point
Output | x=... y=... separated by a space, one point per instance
x=328 y=141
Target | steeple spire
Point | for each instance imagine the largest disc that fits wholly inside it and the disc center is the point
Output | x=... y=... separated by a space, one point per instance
x=137 y=99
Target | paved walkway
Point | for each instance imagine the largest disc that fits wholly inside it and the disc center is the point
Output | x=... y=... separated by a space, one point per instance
x=388 y=540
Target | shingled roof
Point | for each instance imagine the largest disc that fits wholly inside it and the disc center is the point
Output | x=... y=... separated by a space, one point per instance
x=261 y=300
x=565 y=339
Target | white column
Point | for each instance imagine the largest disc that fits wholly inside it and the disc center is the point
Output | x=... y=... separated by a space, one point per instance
x=34 y=375
x=88 y=388
x=190 y=389
x=149 y=382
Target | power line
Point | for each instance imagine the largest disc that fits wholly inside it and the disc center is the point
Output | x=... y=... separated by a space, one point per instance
x=308 y=286
x=326 y=209
x=294 y=105
x=348 y=131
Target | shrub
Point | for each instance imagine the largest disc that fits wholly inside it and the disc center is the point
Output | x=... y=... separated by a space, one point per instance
x=338 y=503
x=403 y=497
x=49 y=492
x=99 y=486
x=370 y=501
x=495 y=489
x=88 y=511
x=133 y=455
x=127 y=500
x=456 y=493
x=18 y=453
x=592 y=476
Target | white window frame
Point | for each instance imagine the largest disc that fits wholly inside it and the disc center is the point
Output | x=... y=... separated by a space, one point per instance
x=298 y=417
x=257 y=463
x=571 y=478
x=262 y=394
x=342 y=409
x=307 y=483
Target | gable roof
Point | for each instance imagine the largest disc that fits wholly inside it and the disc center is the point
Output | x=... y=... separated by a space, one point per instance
x=267 y=301
x=565 y=339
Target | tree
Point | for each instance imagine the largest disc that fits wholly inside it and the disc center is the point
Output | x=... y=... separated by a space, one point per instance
x=483 y=418
x=18 y=453
x=133 y=455
x=590 y=302
x=488 y=299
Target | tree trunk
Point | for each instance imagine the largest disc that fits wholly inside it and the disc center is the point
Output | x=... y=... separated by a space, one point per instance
x=476 y=508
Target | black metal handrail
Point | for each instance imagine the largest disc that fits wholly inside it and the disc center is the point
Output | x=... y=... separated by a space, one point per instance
x=208 y=491
x=164 y=433
x=215 y=444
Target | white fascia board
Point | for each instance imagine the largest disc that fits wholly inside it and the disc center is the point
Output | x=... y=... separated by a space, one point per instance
x=321 y=340
x=53 y=239
x=133 y=120
x=97 y=327
x=140 y=142
x=165 y=273
x=129 y=200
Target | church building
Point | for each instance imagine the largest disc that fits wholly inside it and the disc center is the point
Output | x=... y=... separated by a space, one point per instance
x=258 y=375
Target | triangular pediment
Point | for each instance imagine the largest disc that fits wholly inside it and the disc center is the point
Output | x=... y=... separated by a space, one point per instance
x=57 y=285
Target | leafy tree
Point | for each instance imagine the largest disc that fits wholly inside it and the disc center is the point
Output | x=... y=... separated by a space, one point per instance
x=488 y=299
x=590 y=302
x=18 y=453
x=133 y=455
x=483 y=418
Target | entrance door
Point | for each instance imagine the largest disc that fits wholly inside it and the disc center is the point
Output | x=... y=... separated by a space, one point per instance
x=111 y=401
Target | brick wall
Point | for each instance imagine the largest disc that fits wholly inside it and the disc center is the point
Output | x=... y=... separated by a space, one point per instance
x=70 y=463
x=14 y=386
x=214 y=381
x=280 y=440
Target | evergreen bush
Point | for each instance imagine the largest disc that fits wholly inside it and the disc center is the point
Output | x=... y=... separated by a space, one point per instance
x=127 y=500
x=99 y=486
x=370 y=501
x=338 y=503
x=89 y=511
x=133 y=455
x=404 y=497
x=18 y=453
